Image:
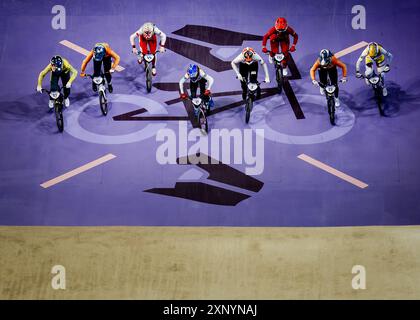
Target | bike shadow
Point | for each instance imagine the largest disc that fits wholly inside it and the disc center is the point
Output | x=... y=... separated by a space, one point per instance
x=30 y=108
x=395 y=104
x=30 y=112
x=133 y=78
x=94 y=109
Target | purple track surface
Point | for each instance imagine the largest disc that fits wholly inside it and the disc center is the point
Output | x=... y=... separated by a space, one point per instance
x=384 y=152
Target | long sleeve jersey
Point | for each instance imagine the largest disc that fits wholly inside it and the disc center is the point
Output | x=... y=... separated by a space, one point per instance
x=156 y=31
x=256 y=57
x=281 y=36
x=382 y=57
x=109 y=53
x=67 y=67
x=201 y=75
x=334 y=63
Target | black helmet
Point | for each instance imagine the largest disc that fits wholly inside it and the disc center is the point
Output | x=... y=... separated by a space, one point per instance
x=57 y=61
x=325 y=57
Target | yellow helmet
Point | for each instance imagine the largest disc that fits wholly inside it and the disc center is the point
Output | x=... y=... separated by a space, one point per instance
x=373 y=49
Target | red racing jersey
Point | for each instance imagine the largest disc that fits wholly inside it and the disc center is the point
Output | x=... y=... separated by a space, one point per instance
x=281 y=36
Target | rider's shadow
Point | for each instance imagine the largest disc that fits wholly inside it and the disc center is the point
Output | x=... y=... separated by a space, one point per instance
x=94 y=110
x=31 y=110
x=133 y=77
x=84 y=94
x=395 y=104
x=398 y=97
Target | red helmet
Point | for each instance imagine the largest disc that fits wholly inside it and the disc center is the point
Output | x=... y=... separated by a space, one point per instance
x=281 y=24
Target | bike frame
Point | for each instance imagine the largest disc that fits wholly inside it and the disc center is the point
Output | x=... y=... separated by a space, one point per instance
x=201 y=109
x=148 y=59
x=330 y=90
x=59 y=98
x=58 y=107
x=251 y=93
x=99 y=84
x=375 y=84
x=203 y=105
x=277 y=63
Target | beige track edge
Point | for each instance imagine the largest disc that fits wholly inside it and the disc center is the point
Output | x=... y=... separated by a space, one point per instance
x=209 y=263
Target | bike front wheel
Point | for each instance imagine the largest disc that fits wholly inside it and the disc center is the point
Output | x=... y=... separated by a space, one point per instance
x=103 y=103
x=202 y=121
x=59 y=116
x=279 y=78
x=331 y=110
x=148 y=79
x=248 y=109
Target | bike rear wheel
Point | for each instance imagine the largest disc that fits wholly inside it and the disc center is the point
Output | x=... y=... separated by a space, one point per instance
x=248 y=109
x=279 y=78
x=58 y=108
x=331 y=110
x=103 y=103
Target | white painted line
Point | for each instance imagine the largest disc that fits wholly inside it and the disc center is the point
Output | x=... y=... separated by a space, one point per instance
x=348 y=50
x=333 y=171
x=83 y=51
x=77 y=171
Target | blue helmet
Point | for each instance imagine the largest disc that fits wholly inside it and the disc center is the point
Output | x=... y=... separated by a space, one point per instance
x=193 y=71
x=99 y=52
x=325 y=57
x=57 y=62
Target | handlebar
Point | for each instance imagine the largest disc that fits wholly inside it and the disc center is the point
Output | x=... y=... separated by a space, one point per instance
x=91 y=76
x=269 y=51
x=321 y=85
x=141 y=53
x=190 y=97
x=49 y=91
x=246 y=81
x=362 y=76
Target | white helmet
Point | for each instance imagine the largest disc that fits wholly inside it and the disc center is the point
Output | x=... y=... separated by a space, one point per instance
x=148 y=30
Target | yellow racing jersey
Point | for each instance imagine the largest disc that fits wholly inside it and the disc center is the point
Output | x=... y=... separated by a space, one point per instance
x=67 y=67
x=380 y=59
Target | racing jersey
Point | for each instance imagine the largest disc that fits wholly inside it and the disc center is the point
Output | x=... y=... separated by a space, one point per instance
x=108 y=53
x=381 y=59
x=201 y=75
x=67 y=67
x=281 y=36
x=334 y=63
x=255 y=58
x=156 y=31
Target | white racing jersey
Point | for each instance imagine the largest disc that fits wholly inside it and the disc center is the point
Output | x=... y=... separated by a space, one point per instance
x=255 y=59
x=156 y=31
x=201 y=75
